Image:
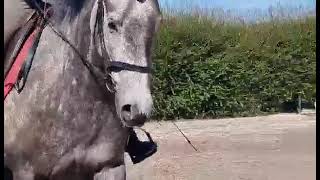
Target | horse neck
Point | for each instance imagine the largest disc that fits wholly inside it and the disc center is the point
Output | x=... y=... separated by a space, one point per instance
x=76 y=28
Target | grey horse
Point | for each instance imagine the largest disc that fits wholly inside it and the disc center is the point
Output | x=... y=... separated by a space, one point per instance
x=64 y=124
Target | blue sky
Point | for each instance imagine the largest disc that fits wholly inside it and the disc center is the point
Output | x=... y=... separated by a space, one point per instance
x=247 y=10
x=236 y=4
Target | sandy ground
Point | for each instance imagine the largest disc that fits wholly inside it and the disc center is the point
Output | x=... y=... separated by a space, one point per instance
x=275 y=147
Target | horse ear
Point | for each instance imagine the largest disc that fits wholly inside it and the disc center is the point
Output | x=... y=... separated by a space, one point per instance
x=94 y=29
x=93 y=17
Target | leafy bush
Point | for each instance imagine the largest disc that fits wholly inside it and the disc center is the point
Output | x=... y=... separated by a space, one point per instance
x=204 y=68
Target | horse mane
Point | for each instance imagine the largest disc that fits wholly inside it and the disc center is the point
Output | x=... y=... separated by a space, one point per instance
x=65 y=8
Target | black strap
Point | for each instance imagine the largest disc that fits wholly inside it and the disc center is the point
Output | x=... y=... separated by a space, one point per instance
x=23 y=34
x=117 y=66
x=26 y=66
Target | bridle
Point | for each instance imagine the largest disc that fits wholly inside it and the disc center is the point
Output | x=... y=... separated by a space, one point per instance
x=101 y=75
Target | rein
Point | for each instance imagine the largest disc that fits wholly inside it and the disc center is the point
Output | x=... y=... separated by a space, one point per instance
x=22 y=56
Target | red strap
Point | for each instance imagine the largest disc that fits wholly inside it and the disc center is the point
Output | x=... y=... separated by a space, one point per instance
x=12 y=75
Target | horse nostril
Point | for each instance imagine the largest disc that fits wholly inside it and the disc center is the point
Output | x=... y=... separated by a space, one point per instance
x=132 y=115
x=130 y=112
x=126 y=108
x=126 y=112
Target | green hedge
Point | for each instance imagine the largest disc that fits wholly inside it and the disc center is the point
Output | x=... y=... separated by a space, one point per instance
x=204 y=68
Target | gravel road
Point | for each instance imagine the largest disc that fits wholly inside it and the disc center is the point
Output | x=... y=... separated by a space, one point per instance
x=275 y=147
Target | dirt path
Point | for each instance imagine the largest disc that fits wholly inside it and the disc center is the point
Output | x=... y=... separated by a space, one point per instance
x=276 y=147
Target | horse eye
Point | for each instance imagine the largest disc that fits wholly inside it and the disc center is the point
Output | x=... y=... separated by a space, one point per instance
x=112 y=26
